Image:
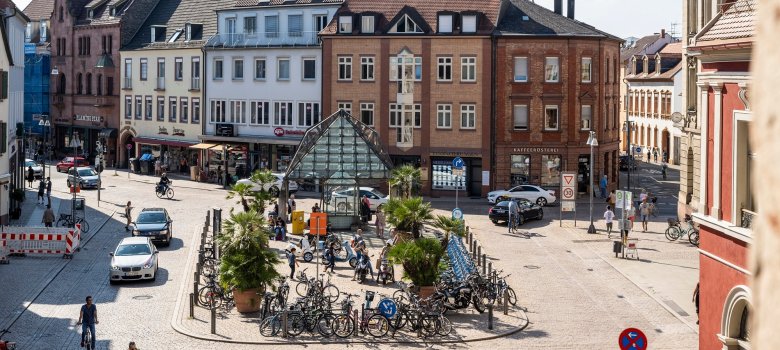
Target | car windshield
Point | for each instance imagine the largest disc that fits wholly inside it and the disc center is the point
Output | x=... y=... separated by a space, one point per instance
x=67 y=160
x=30 y=163
x=151 y=218
x=377 y=193
x=133 y=249
x=503 y=204
x=87 y=172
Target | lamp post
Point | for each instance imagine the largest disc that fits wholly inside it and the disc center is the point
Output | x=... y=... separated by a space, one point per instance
x=592 y=142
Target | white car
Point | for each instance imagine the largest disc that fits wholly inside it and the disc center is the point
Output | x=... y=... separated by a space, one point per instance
x=343 y=198
x=292 y=186
x=37 y=168
x=135 y=258
x=532 y=193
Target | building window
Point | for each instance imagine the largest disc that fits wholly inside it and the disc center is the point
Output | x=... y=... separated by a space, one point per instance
x=218 y=69
x=308 y=113
x=128 y=107
x=396 y=113
x=405 y=65
x=283 y=113
x=259 y=113
x=259 y=68
x=585 y=75
x=520 y=169
x=468 y=116
x=250 y=25
x=128 y=81
x=138 y=105
x=551 y=69
x=367 y=113
x=345 y=24
x=195 y=110
x=320 y=22
x=586 y=112
x=520 y=117
x=295 y=25
x=309 y=69
x=238 y=69
x=521 y=69
x=144 y=71
x=237 y=112
x=550 y=117
x=283 y=69
x=367 y=24
x=444 y=116
x=271 y=26
x=185 y=110
x=367 y=67
x=469 y=24
x=468 y=69
x=80 y=85
x=161 y=73
x=173 y=109
x=445 y=23
x=178 y=68
x=160 y=108
x=148 y=108
x=345 y=68
x=89 y=83
x=195 y=74
x=110 y=86
x=346 y=106
x=444 y=69
x=551 y=170
x=218 y=108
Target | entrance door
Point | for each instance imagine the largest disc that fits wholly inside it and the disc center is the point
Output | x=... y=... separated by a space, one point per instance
x=475 y=178
x=583 y=173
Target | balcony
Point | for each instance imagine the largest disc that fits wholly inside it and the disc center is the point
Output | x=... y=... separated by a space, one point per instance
x=58 y=99
x=747 y=219
x=195 y=84
x=160 y=83
x=270 y=39
x=405 y=137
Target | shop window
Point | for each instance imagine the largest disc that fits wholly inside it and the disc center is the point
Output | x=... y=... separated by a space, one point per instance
x=551 y=170
x=308 y=113
x=443 y=178
x=520 y=169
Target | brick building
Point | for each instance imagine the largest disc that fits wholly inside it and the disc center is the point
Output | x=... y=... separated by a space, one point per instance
x=556 y=80
x=420 y=73
x=86 y=37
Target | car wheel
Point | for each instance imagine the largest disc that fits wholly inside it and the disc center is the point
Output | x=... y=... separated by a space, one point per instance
x=541 y=201
x=494 y=221
x=274 y=191
x=521 y=221
x=68 y=182
x=168 y=242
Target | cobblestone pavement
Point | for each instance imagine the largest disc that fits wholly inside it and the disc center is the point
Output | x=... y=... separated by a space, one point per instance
x=578 y=295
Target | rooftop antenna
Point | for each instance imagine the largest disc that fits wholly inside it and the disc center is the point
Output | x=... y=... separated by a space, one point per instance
x=673 y=29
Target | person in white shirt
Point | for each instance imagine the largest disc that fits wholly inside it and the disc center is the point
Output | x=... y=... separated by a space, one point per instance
x=608 y=217
x=513 y=213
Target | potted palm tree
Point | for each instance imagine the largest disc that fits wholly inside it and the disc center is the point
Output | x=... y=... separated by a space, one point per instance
x=420 y=259
x=247 y=264
x=405 y=180
x=450 y=226
x=254 y=196
x=408 y=215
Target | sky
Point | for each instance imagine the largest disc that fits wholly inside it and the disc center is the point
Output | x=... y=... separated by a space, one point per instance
x=622 y=18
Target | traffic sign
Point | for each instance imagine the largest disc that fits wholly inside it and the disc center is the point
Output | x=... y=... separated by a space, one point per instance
x=567 y=180
x=457 y=172
x=387 y=307
x=568 y=205
x=632 y=339
x=458 y=163
x=639 y=150
x=568 y=194
x=457 y=213
x=623 y=199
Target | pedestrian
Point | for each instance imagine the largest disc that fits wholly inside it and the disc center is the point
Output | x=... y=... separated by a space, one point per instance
x=219 y=174
x=655 y=155
x=128 y=215
x=663 y=170
x=41 y=191
x=30 y=176
x=648 y=155
x=88 y=319
x=291 y=204
x=603 y=186
x=665 y=156
x=612 y=198
x=157 y=167
x=380 y=222
x=608 y=217
x=48 y=189
x=365 y=209
x=330 y=256
x=644 y=212
x=48 y=217
x=292 y=262
x=315 y=208
x=696 y=301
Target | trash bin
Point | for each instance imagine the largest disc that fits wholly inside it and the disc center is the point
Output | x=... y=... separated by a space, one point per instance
x=145 y=166
x=297 y=222
x=318 y=224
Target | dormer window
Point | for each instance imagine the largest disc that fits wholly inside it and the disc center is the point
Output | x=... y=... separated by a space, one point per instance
x=445 y=23
x=645 y=65
x=158 y=34
x=193 y=31
x=469 y=24
x=91 y=14
x=633 y=69
x=658 y=64
x=345 y=24
x=367 y=24
x=44 y=30
x=406 y=25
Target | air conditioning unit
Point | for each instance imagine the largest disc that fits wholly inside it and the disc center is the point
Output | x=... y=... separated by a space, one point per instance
x=224 y=130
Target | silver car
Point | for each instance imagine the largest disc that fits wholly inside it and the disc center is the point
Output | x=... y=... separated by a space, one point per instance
x=135 y=258
x=86 y=177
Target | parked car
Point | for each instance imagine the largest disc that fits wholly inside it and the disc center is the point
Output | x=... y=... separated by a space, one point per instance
x=37 y=168
x=135 y=258
x=86 y=177
x=274 y=188
x=154 y=223
x=69 y=162
x=627 y=161
x=532 y=193
x=528 y=211
x=343 y=198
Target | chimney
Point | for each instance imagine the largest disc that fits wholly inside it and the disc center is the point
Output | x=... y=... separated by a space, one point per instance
x=663 y=33
x=570 y=6
x=558 y=7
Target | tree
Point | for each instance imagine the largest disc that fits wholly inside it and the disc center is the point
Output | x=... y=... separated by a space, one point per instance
x=449 y=226
x=409 y=215
x=253 y=197
x=420 y=259
x=405 y=180
x=246 y=261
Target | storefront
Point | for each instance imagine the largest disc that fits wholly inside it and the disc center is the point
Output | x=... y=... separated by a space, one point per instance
x=73 y=140
x=252 y=153
x=444 y=180
x=174 y=155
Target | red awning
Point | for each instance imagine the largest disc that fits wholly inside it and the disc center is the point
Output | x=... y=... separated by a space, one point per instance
x=153 y=141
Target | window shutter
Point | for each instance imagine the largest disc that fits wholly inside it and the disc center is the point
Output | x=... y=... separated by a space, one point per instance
x=3 y=136
x=3 y=85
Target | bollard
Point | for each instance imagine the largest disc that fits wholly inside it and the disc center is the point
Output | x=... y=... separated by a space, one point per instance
x=192 y=305
x=208 y=218
x=479 y=253
x=490 y=316
x=213 y=320
x=471 y=238
x=484 y=266
x=506 y=303
x=490 y=269
x=284 y=324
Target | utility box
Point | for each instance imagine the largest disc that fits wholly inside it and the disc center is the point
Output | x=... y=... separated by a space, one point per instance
x=318 y=224
x=297 y=222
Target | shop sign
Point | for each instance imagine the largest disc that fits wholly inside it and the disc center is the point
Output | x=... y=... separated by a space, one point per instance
x=455 y=154
x=88 y=118
x=162 y=130
x=178 y=132
x=535 y=150
x=281 y=132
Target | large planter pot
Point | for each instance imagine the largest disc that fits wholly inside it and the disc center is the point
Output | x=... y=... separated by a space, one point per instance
x=426 y=291
x=247 y=300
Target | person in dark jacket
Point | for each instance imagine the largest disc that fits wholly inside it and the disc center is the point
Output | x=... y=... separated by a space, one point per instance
x=30 y=176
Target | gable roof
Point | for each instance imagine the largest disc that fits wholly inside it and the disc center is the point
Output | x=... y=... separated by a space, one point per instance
x=427 y=9
x=738 y=21
x=672 y=49
x=640 y=47
x=174 y=15
x=39 y=9
x=523 y=17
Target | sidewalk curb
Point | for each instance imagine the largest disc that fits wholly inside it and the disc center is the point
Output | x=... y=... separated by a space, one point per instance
x=181 y=329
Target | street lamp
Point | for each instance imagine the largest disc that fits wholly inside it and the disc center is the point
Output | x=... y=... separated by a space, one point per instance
x=592 y=142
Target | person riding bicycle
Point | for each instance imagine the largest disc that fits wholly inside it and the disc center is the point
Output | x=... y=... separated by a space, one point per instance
x=88 y=315
x=162 y=186
x=663 y=169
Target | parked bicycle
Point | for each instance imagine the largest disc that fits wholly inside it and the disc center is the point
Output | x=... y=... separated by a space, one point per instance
x=213 y=296
x=675 y=230
x=66 y=220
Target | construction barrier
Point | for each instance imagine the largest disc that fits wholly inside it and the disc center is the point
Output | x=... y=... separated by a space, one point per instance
x=3 y=252
x=41 y=240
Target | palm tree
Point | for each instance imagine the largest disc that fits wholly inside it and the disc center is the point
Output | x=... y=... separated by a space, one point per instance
x=449 y=226
x=248 y=195
x=409 y=215
x=405 y=179
x=246 y=260
x=243 y=192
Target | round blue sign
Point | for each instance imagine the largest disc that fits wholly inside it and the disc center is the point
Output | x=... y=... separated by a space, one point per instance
x=457 y=213
x=639 y=150
x=387 y=307
x=458 y=163
x=632 y=339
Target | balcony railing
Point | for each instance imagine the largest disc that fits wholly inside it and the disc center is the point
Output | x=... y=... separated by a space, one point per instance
x=747 y=219
x=405 y=137
x=269 y=39
x=128 y=83
x=195 y=83
x=160 y=83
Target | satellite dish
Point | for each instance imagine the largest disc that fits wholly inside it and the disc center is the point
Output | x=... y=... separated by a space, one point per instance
x=677 y=117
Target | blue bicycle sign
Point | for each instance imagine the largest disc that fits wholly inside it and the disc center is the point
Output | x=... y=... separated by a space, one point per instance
x=387 y=307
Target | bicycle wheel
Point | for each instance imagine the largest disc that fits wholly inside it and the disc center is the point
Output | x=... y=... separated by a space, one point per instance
x=324 y=325
x=270 y=326
x=159 y=193
x=478 y=302
x=62 y=222
x=331 y=293
x=302 y=288
x=88 y=339
x=399 y=320
x=510 y=293
x=430 y=325
x=343 y=326
x=672 y=233
x=445 y=326
x=693 y=237
x=209 y=297
x=84 y=225
x=377 y=325
x=401 y=297
x=295 y=324
x=169 y=193
x=209 y=267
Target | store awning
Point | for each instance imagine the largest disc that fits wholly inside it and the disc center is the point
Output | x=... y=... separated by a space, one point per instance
x=107 y=133
x=153 y=141
x=204 y=145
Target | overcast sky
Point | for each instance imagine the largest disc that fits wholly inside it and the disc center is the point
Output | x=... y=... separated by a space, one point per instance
x=623 y=18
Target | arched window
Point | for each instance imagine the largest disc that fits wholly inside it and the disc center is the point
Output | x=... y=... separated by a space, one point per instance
x=61 y=13
x=62 y=84
x=735 y=321
x=89 y=83
x=79 y=84
x=99 y=83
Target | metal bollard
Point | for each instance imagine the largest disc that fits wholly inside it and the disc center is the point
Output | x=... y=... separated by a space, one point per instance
x=484 y=266
x=192 y=305
x=506 y=303
x=284 y=324
x=479 y=253
x=490 y=316
x=213 y=320
x=471 y=238
x=490 y=269
x=208 y=218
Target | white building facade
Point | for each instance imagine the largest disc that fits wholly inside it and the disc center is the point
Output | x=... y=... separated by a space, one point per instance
x=263 y=82
x=12 y=158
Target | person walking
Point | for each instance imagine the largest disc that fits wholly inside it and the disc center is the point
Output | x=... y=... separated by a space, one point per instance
x=41 y=191
x=603 y=186
x=608 y=217
x=380 y=222
x=696 y=301
x=291 y=204
x=48 y=217
x=292 y=262
x=655 y=155
x=88 y=318
x=48 y=189
x=612 y=198
x=663 y=170
x=30 y=176
x=644 y=212
x=648 y=155
x=128 y=215
x=330 y=255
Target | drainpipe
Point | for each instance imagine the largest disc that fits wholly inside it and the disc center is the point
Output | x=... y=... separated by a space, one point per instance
x=493 y=49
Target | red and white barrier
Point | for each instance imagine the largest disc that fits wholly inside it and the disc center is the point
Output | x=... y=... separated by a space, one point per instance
x=3 y=252
x=41 y=240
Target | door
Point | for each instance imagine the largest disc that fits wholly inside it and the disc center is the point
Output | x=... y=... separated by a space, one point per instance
x=475 y=178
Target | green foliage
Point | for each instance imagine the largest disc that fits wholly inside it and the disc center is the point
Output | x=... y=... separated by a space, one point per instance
x=246 y=261
x=405 y=180
x=250 y=199
x=449 y=226
x=408 y=214
x=420 y=258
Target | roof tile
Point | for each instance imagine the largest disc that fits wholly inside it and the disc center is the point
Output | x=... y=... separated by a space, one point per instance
x=39 y=9
x=174 y=15
x=738 y=21
x=524 y=17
